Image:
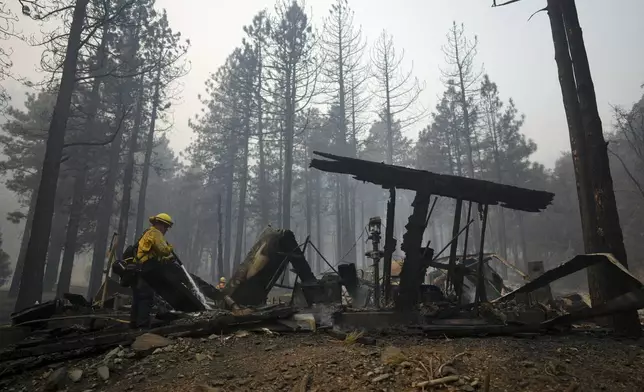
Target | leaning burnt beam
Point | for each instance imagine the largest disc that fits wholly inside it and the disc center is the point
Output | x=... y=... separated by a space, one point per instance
x=467 y=189
x=577 y=263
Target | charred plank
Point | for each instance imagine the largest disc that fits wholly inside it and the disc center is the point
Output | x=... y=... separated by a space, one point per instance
x=468 y=189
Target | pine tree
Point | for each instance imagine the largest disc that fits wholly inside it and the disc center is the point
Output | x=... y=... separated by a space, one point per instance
x=166 y=51
x=507 y=153
x=294 y=71
x=343 y=48
x=397 y=91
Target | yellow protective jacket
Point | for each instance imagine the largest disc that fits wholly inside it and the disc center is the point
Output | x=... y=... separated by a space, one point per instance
x=153 y=245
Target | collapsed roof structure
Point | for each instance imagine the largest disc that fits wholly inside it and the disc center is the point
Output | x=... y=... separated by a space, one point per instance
x=426 y=184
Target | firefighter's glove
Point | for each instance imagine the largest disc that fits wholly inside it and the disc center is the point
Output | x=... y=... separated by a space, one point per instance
x=168 y=259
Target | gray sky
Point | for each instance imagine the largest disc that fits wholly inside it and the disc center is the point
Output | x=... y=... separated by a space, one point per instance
x=517 y=54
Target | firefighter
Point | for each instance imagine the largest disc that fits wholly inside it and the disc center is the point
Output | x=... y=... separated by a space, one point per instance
x=222 y=283
x=152 y=248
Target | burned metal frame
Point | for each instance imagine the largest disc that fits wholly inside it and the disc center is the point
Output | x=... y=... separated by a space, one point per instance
x=632 y=300
x=426 y=184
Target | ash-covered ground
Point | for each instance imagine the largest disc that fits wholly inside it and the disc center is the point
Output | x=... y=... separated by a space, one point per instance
x=317 y=362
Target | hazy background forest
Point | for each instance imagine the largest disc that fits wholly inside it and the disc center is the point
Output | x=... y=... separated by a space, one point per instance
x=302 y=77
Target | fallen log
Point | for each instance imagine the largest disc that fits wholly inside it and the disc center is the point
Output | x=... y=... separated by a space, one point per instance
x=114 y=338
x=11 y=368
x=457 y=331
x=34 y=354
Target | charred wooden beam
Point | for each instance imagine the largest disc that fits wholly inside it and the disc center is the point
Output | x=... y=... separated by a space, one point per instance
x=577 y=263
x=411 y=276
x=469 y=189
x=390 y=243
x=456 y=331
x=189 y=327
x=454 y=242
x=481 y=295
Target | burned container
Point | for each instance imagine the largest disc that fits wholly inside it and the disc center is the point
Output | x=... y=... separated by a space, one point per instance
x=264 y=264
x=169 y=281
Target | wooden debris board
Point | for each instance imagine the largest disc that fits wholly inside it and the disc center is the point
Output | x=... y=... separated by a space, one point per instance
x=455 y=187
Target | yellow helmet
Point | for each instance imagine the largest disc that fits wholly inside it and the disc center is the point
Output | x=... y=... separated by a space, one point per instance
x=163 y=218
x=222 y=280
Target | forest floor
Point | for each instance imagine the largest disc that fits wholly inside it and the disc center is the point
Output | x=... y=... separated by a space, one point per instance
x=317 y=362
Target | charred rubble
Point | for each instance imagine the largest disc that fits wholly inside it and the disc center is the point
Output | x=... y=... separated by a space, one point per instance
x=467 y=296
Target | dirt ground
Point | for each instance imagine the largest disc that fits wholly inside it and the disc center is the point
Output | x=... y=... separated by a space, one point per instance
x=317 y=362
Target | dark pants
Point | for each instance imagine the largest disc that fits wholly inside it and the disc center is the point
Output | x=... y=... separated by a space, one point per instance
x=143 y=297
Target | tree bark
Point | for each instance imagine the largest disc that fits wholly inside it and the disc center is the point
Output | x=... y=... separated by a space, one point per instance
x=128 y=175
x=32 y=280
x=263 y=201
x=467 y=129
x=243 y=188
x=289 y=133
x=103 y=221
x=309 y=200
x=280 y=179
x=56 y=244
x=220 y=243
x=573 y=117
x=76 y=210
x=228 y=220
x=24 y=242
x=140 y=210
x=603 y=280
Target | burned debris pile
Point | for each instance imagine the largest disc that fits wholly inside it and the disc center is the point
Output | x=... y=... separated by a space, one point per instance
x=72 y=327
x=462 y=295
x=427 y=294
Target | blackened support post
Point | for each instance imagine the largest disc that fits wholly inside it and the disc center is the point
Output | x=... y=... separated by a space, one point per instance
x=454 y=248
x=411 y=276
x=467 y=230
x=390 y=244
x=481 y=296
x=376 y=254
